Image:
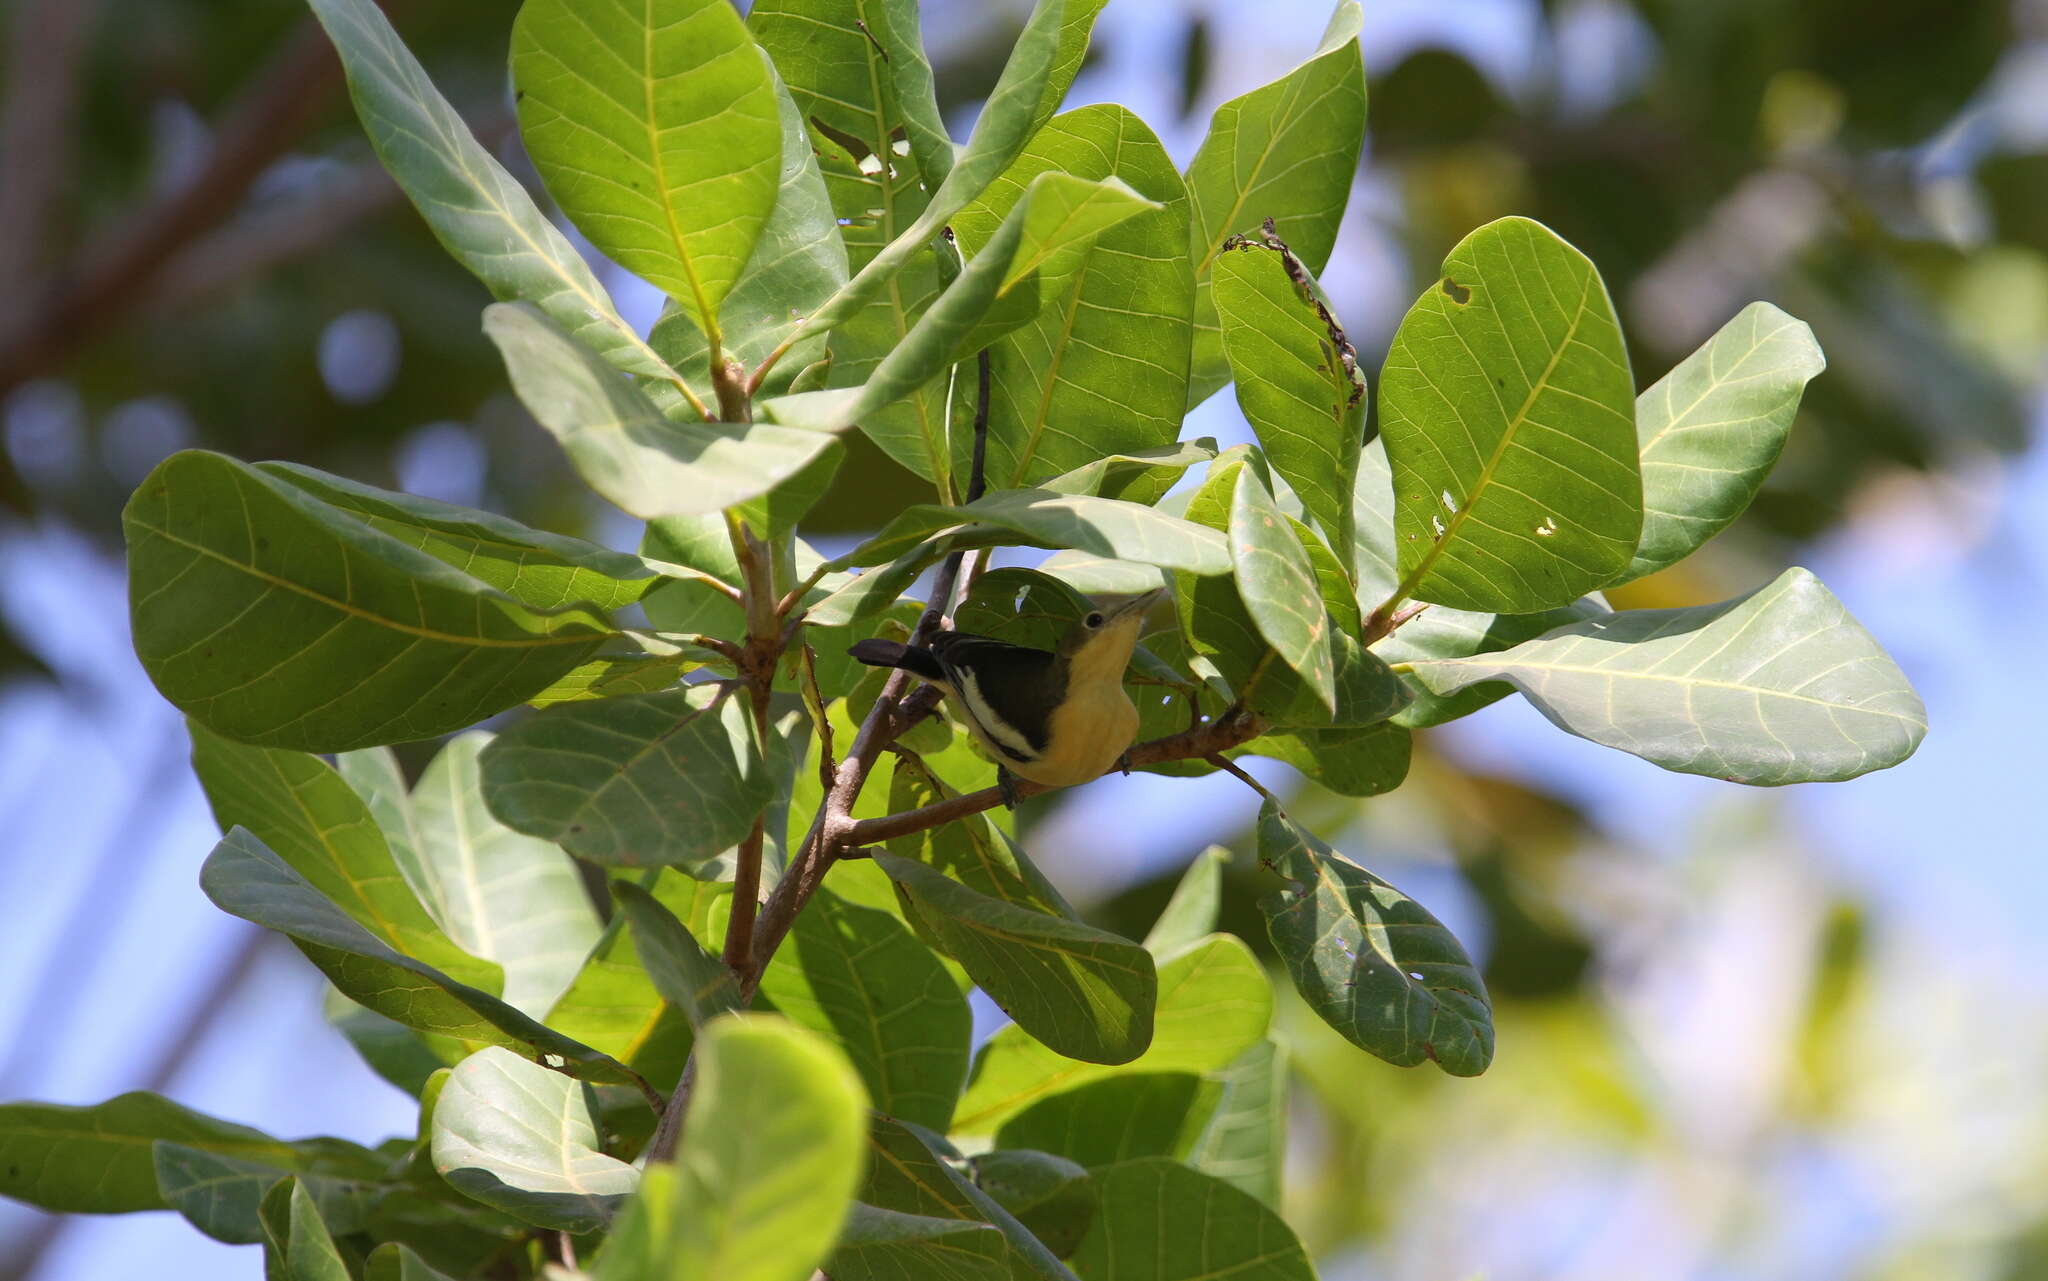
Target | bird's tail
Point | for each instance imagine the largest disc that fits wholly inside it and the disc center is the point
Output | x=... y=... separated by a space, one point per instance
x=915 y=659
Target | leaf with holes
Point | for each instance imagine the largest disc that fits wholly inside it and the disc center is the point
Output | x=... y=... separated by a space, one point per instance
x=479 y=212
x=1369 y=960
x=638 y=781
x=273 y=618
x=519 y=1138
x=1508 y=411
x=1286 y=151
x=1305 y=402
x=1778 y=686
x=1213 y=1003
x=1712 y=428
x=654 y=127
x=1102 y=368
x=245 y=879
x=630 y=453
x=1085 y=993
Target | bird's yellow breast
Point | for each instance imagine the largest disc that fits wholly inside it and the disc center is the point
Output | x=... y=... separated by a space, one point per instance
x=1091 y=728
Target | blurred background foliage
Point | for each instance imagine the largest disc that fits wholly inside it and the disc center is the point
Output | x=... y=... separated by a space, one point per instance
x=1729 y=1047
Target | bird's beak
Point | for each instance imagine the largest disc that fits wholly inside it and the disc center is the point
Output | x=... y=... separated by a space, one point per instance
x=1132 y=605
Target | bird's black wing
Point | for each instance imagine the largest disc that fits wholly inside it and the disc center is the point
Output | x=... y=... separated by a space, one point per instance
x=1016 y=685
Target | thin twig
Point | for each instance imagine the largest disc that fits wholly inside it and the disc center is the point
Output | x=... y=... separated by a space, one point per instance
x=1222 y=762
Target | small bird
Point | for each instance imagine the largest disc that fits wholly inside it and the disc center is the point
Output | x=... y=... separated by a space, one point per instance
x=1057 y=718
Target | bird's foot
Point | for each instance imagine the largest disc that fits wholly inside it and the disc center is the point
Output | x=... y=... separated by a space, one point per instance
x=1123 y=765
x=1008 y=783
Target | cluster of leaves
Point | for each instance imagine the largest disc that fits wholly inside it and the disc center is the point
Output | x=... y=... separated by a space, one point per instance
x=589 y=1086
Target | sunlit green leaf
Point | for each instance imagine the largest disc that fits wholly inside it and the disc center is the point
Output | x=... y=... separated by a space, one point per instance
x=1190 y=915
x=1278 y=586
x=546 y=571
x=298 y=1237
x=685 y=974
x=654 y=126
x=1041 y=518
x=1508 y=411
x=1368 y=761
x=770 y=1157
x=1245 y=1141
x=273 y=618
x=1103 y=366
x=1370 y=960
x=394 y=1262
x=308 y=815
x=519 y=1138
x=1778 y=686
x=1711 y=430
x=1118 y=1118
x=645 y=779
x=1286 y=151
x=1086 y=992
x=1213 y=1002
x=644 y=462
x=484 y=218
x=245 y=879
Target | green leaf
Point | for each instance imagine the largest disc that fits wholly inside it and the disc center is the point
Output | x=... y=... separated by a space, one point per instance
x=1041 y=518
x=298 y=1235
x=1278 y=586
x=798 y=262
x=1161 y=1221
x=613 y=1006
x=1286 y=151
x=1190 y=915
x=1087 y=993
x=273 y=618
x=503 y=896
x=1077 y=23
x=973 y=851
x=687 y=976
x=641 y=461
x=1439 y=631
x=1711 y=430
x=245 y=879
x=1000 y=132
x=860 y=977
x=1049 y=1194
x=1368 y=761
x=300 y=809
x=1777 y=686
x=1507 y=408
x=1307 y=406
x=1140 y=476
x=1219 y=627
x=1245 y=1142
x=546 y=571
x=886 y=1245
x=100 y=1160
x=1213 y=1002
x=519 y=1138
x=391 y=1049
x=1118 y=1118
x=654 y=127
x=481 y=215
x=765 y=1176
x=1369 y=960
x=222 y=1195
x=996 y=291
x=1102 y=368
x=905 y=1174
x=394 y=1262
x=639 y=664
x=638 y=781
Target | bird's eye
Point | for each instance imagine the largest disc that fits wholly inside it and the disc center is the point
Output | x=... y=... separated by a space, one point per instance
x=1094 y=620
